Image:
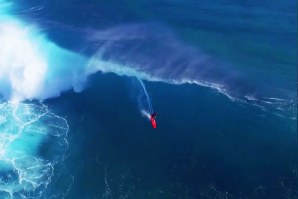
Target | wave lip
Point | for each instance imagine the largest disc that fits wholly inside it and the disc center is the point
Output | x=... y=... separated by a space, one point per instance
x=21 y=62
x=32 y=66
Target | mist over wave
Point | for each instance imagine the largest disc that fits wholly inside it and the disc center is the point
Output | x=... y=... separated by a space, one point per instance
x=154 y=53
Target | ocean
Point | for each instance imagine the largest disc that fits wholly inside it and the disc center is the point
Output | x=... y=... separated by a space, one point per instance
x=76 y=76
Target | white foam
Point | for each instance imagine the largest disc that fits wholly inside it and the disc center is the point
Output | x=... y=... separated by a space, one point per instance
x=21 y=62
x=250 y=97
x=32 y=67
x=145 y=114
x=23 y=172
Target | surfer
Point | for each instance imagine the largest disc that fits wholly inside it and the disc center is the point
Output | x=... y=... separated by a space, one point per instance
x=152 y=119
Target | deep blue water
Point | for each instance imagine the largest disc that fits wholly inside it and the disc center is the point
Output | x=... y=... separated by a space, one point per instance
x=222 y=76
x=205 y=146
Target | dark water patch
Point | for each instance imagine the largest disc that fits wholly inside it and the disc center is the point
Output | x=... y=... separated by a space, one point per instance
x=204 y=146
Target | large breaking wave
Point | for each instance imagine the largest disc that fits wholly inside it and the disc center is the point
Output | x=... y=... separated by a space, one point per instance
x=34 y=67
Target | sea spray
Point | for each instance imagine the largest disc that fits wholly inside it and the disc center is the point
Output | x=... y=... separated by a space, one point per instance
x=146 y=95
x=140 y=94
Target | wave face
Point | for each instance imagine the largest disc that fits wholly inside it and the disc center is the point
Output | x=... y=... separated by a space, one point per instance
x=26 y=169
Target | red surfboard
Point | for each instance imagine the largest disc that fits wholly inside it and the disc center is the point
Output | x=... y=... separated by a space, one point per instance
x=152 y=119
